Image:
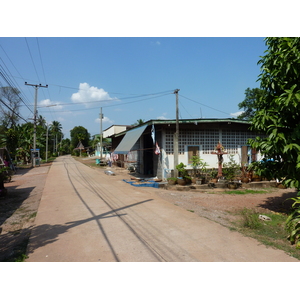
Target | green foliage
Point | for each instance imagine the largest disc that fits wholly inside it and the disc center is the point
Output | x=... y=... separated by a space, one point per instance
x=138 y=122
x=230 y=169
x=214 y=173
x=250 y=103
x=293 y=223
x=79 y=131
x=278 y=110
x=181 y=170
x=265 y=168
x=198 y=163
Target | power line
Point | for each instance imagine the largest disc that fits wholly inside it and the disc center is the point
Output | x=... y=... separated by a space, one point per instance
x=10 y=84
x=44 y=73
x=205 y=105
x=24 y=96
x=140 y=100
x=7 y=79
x=12 y=110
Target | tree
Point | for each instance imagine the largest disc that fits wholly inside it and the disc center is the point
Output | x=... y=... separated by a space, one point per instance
x=249 y=103
x=10 y=104
x=138 y=122
x=79 y=131
x=278 y=110
x=41 y=121
x=56 y=131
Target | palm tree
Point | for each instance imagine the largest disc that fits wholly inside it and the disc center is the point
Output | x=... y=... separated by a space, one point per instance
x=56 y=129
x=41 y=121
x=139 y=122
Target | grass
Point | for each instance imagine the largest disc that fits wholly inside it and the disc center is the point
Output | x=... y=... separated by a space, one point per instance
x=247 y=191
x=33 y=215
x=271 y=233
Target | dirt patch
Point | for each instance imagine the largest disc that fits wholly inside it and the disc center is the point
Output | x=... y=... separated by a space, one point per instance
x=223 y=208
x=213 y=203
x=18 y=210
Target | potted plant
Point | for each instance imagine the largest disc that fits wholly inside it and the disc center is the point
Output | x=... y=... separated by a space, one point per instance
x=230 y=170
x=214 y=176
x=245 y=178
x=255 y=171
x=198 y=163
x=182 y=172
x=172 y=180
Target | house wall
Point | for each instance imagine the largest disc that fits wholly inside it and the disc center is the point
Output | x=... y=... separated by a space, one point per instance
x=113 y=130
x=206 y=140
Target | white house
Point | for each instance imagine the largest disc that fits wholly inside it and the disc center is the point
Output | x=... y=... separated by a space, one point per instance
x=138 y=146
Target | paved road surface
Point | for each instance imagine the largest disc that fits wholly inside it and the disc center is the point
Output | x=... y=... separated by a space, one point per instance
x=86 y=215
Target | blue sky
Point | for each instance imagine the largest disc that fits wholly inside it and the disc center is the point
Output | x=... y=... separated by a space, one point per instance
x=131 y=78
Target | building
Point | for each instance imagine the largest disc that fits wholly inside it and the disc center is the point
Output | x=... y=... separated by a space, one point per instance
x=148 y=148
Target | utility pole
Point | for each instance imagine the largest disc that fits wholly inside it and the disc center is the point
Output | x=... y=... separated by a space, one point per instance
x=176 y=136
x=101 y=117
x=36 y=86
x=47 y=143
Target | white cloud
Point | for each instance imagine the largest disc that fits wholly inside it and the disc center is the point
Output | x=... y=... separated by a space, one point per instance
x=236 y=114
x=49 y=103
x=162 y=117
x=104 y=120
x=88 y=94
x=157 y=43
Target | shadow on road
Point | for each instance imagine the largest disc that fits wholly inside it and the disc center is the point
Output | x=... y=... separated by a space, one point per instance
x=12 y=201
x=42 y=235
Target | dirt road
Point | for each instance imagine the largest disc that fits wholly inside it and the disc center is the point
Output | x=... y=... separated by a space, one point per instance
x=86 y=215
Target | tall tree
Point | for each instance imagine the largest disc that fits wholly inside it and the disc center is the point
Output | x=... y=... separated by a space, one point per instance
x=278 y=109
x=10 y=105
x=250 y=102
x=56 y=131
x=79 y=131
x=41 y=121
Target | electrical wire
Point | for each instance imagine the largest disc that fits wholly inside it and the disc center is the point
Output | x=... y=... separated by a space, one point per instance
x=48 y=90
x=7 y=80
x=25 y=99
x=140 y=100
x=112 y=99
x=205 y=105
x=12 y=110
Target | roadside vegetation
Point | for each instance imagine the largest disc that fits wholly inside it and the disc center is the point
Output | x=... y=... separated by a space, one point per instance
x=272 y=233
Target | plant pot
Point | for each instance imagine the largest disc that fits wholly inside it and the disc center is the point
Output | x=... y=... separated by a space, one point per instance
x=181 y=181
x=281 y=186
x=244 y=179
x=214 y=180
x=188 y=180
x=256 y=178
x=232 y=185
x=172 y=181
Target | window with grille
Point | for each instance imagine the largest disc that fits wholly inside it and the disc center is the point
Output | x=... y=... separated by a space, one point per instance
x=209 y=138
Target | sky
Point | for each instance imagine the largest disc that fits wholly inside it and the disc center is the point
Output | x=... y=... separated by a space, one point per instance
x=131 y=78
